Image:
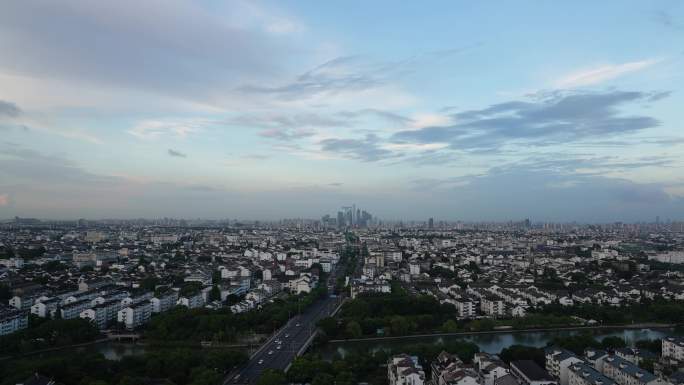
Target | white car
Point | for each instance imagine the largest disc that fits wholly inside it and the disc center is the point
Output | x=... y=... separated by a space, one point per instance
x=270 y=352
x=297 y=324
x=261 y=362
x=278 y=347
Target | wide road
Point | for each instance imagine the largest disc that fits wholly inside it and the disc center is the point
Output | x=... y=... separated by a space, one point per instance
x=281 y=349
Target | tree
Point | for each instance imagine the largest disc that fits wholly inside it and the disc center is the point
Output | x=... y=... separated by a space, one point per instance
x=271 y=377
x=323 y=379
x=328 y=325
x=450 y=326
x=353 y=330
x=214 y=294
x=613 y=343
x=5 y=293
x=400 y=325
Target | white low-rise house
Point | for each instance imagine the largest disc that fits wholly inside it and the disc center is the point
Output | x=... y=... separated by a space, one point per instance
x=490 y=368
x=135 y=315
x=405 y=370
x=12 y=321
x=164 y=302
x=302 y=284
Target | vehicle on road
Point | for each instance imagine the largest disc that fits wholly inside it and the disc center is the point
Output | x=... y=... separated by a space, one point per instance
x=261 y=362
x=270 y=352
x=287 y=335
x=298 y=324
x=279 y=346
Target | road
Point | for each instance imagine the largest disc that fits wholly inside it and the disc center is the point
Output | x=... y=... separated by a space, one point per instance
x=282 y=348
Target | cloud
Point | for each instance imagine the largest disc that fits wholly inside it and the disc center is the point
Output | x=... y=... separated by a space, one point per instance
x=4 y=199
x=600 y=74
x=128 y=44
x=286 y=134
x=366 y=149
x=559 y=117
x=547 y=195
x=341 y=74
x=177 y=154
x=8 y=109
x=666 y=19
x=179 y=128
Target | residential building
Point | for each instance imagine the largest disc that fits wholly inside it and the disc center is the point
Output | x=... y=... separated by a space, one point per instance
x=405 y=370
x=529 y=373
x=135 y=315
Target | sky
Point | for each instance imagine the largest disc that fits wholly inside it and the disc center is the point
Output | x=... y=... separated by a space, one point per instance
x=457 y=110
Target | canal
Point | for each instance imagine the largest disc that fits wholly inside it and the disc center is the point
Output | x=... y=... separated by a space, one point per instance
x=490 y=343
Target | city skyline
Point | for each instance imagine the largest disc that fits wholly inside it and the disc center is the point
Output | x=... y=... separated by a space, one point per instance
x=267 y=110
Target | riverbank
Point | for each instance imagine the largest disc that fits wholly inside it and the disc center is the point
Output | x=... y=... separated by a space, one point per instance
x=511 y=331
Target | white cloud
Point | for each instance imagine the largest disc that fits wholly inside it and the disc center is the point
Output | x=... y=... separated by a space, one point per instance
x=154 y=129
x=602 y=73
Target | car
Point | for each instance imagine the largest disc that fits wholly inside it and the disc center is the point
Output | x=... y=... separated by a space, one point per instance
x=278 y=347
x=287 y=335
x=261 y=362
x=298 y=324
x=270 y=352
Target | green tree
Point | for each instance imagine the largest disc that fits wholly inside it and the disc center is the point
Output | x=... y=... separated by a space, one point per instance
x=215 y=294
x=272 y=377
x=450 y=326
x=353 y=330
x=323 y=379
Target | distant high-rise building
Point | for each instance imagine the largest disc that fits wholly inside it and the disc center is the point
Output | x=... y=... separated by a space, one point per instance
x=431 y=223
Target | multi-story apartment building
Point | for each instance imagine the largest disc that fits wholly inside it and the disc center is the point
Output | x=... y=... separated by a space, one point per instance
x=558 y=362
x=193 y=301
x=490 y=368
x=529 y=373
x=73 y=310
x=12 y=320
x=102 y=314
x=492 y=306
x=466 y=307
x=673 y=349
x=624 y=372
x=405 y=370
x=22 y=302
x=164 y=302
x=135 y=315
x=45 y=307
x=581 y=373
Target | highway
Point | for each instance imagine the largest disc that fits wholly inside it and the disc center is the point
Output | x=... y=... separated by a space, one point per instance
x=282 y=348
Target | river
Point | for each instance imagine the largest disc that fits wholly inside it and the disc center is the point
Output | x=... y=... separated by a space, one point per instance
x=490 y=343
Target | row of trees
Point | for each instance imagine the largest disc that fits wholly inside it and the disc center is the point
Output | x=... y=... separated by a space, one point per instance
x=44 y=334
x=173 y=366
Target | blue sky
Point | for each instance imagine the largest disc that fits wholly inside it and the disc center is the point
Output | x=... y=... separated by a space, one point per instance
x=248 y=109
